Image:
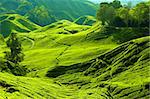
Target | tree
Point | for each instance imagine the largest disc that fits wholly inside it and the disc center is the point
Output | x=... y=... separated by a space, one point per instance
x=140 y=13
x=118 y=22
x=101 y=12
x=15 y=55
x=123 y=13
x=40 y=15
x=116 y=4
x=106 y=13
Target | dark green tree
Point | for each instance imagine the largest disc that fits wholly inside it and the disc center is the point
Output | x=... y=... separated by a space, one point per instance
x=11 y=62
x=15 y=55
x=123 y=13
x=40 y=15
x=140 y=14
x=116 y=4
x=107 y=12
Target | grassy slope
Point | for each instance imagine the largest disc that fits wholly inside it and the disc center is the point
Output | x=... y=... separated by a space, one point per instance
x=13 y=87
x=66 y=39
x=85 y=20
x=65 y=47
x=10 y=22
x=122 y=73
x=69 y=48
x=13 y=23
x=71 y=43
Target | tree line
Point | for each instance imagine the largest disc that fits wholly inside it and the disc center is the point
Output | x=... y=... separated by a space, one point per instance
x=118 y=15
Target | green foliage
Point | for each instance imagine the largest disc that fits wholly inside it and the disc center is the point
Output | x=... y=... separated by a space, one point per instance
x=18 y=70
x=18 y=87
x=140 y=15
x=119 y=73
x=15 y=55
x=106 y=13
x=114 y=14
x=116 y=4
x=82 y=64
x=123 y=14
x=71 y=61
x=125 y=34
x=3 y=17
x=7 y=66
x=121 y=35
x=40 y=15
x=2 y=40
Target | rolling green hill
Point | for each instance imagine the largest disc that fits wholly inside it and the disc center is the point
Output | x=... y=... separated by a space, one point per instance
x=57 y=49
x=83 y=44
x=44 y=12
x=65 y=60
x=86 y=20
x=118 y=73
x=15 y=22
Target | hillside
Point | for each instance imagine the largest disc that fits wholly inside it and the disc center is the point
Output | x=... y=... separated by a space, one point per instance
x=116 y=74
x=49 y=11
x=85 y=20
x=74 y=49
x=67 y=43
x=66 y=39
x=17 y=23
x=121 y=72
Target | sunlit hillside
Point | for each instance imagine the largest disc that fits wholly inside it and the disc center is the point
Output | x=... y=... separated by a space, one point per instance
x=74 y=53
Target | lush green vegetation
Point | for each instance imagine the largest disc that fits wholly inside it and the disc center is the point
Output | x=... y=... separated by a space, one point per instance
x=49 y=11
x=87 y=58
x=114 y=14
x=119 y=73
